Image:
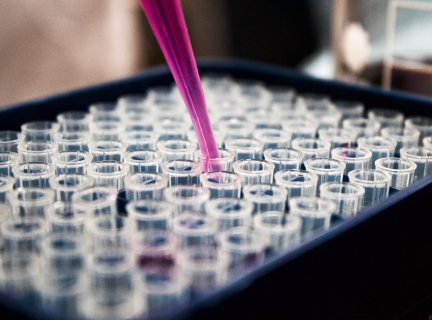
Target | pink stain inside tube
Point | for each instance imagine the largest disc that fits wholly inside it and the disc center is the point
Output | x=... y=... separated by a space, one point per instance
x=168 y=23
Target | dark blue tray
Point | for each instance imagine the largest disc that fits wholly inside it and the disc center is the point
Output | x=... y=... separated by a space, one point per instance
x=377 y=265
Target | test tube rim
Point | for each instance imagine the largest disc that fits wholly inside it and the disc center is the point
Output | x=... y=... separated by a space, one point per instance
x=54 y=126
x=110 y=191
x=309 y=166
x=9 y=234
x=313 y=181
x=91 y=227
x=348 y=134
x=409 y=122
x=269 y=156
x=260 y=227
x=124 y=168
x=127 y=156
x=55 y=185
x=20 y=137
x=349 y=159
x=205 y=193
x=52 y=216
x=305 y=212
x=184 y=261
x=46 y=249
x=246 y=212
x=88 y=117
x=362 y=143
x=415 y=135
x=129 y=184
x=93 y=146
x=348 y=124
x=211 y=224
x=285 y=135
x=170 y=247
x=325 y=192
x=379 y=166
x=48 y=197
x=16 y=158
x=160 y=145
x=230 y=185
x=282 y=196
x=238 y=169
x=58 y=136
x=351 y=177
x=133 y=213
x=197 y=171
x=399 y=116
x=404 y=151
x=225 y=244
x=305 y=150
x=88 y=157
x=127 y=266
x=198 y=155
x=258 y=146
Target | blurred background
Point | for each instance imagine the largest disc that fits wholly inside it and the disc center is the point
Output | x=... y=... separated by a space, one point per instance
x=50 y=46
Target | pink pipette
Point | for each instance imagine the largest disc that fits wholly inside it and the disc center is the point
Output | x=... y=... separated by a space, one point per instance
x=168 y=23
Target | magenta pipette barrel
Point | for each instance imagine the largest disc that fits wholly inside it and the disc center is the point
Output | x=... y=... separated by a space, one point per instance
x=168 y=23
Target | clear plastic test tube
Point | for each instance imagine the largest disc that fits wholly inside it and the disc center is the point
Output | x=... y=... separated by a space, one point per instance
x=9 y=141
x=143 y=160
x=137 y=140
x=23 y=235
x=278 y=230
x=145 y=185
x=233 y=129
x=379 y=146
x=182 y=172
x=108 y=173
x=387 y=117
x=254 y=171
x=108 y=232
x=338 y=137
x=427 y=142
x=71 y=161
x=105 y=111
x=107 y=150
x=349 y=109
x=6 y=186
x=264 y=121
x=273 y=138
x=8 y=160
x=150 y=214
x=363 y=127
x=422 y=124
x=354 y=158
x=169 y=129
x=33 y=174
x=66 y=184
x=67 y=218
x=405 y=138
x=230 y=212
x=375 y=182
x=132 y=103
x=347 y=196
x=175 y=149
x=74 y=121
x=326 y=118
x=73 y=140
x=187 y=198
x=195 y=229
x=222 y=184
x=30 y=202
x=312 y=148
x=223 y=163
x=99 y=200
x=106 y=131
x=40 y=130
x=245 y=148
x=284 y=158
x=37 y=151
x=266 y=197
x=300 y=128
x=297 y=183
x=400 y=170
x=219 y=137
x=422 y=157
x=327 y=170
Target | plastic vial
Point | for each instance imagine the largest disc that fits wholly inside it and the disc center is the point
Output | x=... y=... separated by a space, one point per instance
x=108 y=232
x=107 y=150
x=39 y=130
x=145 y=185
x=143 y=160
x=222 y=184
x=23 y=235
x=98 y=200
x=71 y=161
x=326 y=169
x=297 y=183
x=300 y=128
x=379 y=146
x=347 y=196
x=264 y=121
x=150 y=214
x=106 y=131
x=266 y=197
x=137 y=140
x=195 y=229
x=375 y=182
x=387 y=117
x=105 y=111
x=312 y=148
x=278 y=230
x=363 y=127
x=427 y=142
x=67 y=218
x=254 y=171
x=169 y=129
x=349 y=109
x=9 y=141
x=354 y=158
x=182 y=172
x=131 y=103
x=187 y=198
x=223 y=163
x=219 y=137
x=175 y=149
x=422 y=124
x=30 y=202
x=338 y=137
x=326 y=118
x=422 y=157
x=108 y=173
x=37 y=151
x=33 y=174
x=245 y=148
x=233 y=129
x=142 y=122
x=273 y=138
x=400 y=170
x=73 y=140
x=230 y=213
x=405 y=138
x=66 y=184
x=284 y=158
x=74 y=121
x=6 y=186
x=315 y=213
x=8 y=160
x=317 y=102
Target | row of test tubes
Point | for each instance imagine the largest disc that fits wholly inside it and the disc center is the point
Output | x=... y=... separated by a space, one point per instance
x=114 y=213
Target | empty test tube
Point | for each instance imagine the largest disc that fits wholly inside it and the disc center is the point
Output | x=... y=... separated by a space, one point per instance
x=107 y=150
x=174 y=149
x=422 y=124
x=187 y=198
x=297 y=183
x=108 y=173
x=400 y=170
x=195 y=229
x=233 y=129
x=105 y=111
x=219 y=137
x=74 y=121
x=66 y=184
x=67 y=218
x=39 y=130
x=327 y=170
x=254 y=171
x=73 y=140
x=362 y=127
x=9 y=141
x=98 y=200
x=145 y=185
x=300 y=128
x=312 y=148
x=354 y=158
x=223 y=163
x=33 y=174
x=131 y=103
x=314 y=212
x=264 y=121
x=284 y=158
x=375 y=182
x=182 y=172
x=6 y=186
x=379 y=146
x=230 y=213
x=266 y=197
x=222 y=184
x=317 y=102
x=422 y=157
x=30 y=202
x=37 y=151
x=338 y=137
x=273 y=138
x=8 y=160
x=349 y=109
x=405 y=138
x=346 y=196
x=108 y=232
x=71 y=161
x=143 y=160
x=326 y=118
x=137 y=140
x=23 y=235
x=150 y=214
x=387 y=117
x=245 y=148
x=169 y=129
x=106 y=131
